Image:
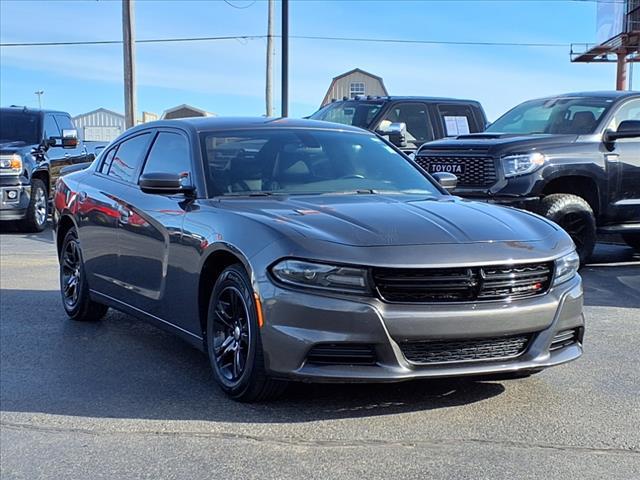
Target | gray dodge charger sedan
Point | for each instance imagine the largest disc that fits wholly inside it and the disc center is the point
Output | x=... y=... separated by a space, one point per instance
x=303 y=250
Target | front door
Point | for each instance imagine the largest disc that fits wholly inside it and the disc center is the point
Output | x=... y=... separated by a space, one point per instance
x=415 y=116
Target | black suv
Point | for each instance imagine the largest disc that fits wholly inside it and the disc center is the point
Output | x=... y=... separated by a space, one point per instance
x=34 y=146
x=408 y=122
x=573 y=158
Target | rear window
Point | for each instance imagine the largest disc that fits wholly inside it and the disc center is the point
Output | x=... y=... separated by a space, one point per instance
x=457 y=120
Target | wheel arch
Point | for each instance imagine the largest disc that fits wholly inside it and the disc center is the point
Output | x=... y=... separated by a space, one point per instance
x=65 y=224
x=43 y=174
x=583 y=186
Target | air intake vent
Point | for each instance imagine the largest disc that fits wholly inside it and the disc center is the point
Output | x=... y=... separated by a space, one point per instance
x=446 y=351
x=564 y=339
x=342 y=354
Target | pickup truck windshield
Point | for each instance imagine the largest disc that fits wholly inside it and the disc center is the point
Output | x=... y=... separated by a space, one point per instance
x=304 y=161
x=19 y=127
x=562 y=115
x=358 y=113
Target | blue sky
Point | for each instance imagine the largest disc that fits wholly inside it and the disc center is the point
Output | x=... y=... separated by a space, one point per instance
x=227 y=77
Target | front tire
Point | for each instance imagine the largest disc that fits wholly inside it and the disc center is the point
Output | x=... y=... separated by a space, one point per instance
x=576 y=217
x=38 y=209
x=234 y=343
x=73 y=283
x=633 y=240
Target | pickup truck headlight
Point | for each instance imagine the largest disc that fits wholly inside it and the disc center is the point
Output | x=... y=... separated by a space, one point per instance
x=566 y=267
x=521 y=164
x=10 y=164
x=322 y=276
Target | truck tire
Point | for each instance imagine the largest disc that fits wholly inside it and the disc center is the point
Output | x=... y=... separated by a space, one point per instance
x=38 y=210
x=633 y=240
x=576 y=217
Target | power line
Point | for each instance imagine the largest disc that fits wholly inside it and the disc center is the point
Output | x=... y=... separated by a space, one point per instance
x=239 y=7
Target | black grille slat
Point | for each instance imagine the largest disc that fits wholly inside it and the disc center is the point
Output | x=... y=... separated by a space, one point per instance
x=342 y=354
x=462 y=284
x=446 y=351
x=479 y=170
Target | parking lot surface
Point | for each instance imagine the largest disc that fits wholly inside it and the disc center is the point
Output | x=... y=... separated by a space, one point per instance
x=121 y=399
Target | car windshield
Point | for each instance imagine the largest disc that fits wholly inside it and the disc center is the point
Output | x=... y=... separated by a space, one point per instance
x=356 y=113
x=307 y=161
x=19 y=127
x=563 y=115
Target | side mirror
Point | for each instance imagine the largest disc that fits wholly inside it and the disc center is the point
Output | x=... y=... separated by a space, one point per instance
x=626 y=129
x=164 y=183
x=448 y=181
x=397 y=133
x=69 y=138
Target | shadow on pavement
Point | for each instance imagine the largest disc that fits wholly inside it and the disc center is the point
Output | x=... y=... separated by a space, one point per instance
x=124 y=368
x=11 y=229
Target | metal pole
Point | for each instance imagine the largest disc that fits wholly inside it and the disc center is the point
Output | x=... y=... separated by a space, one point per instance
x=129 y=55
x=269 y=84
x=39 y=94
x=621 y=73
x=285 y=59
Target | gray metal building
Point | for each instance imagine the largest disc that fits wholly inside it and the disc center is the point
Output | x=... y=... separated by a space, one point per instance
x=99 y=125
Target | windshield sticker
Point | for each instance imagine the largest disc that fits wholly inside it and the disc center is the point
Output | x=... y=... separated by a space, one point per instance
x=456 y=125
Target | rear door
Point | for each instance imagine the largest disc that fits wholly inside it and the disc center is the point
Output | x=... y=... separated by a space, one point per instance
x=453 y=119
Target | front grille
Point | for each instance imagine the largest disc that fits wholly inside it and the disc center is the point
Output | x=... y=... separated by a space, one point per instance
x=479 y=171
x=342 y=354
x=445 y=351
x=564 y=339
x=410 y=285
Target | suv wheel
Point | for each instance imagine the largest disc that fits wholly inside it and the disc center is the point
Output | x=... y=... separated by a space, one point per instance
x=38 y=209
x=234 y=344
x=73 y=283
x=633 y=240
x=576 y=217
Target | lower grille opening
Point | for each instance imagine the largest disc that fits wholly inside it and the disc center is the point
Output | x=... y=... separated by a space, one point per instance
x=564 y=339
x=342 y=354
x=464 y=350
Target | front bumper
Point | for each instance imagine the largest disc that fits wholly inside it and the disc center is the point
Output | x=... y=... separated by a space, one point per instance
x=295 y=322
x=14 y=208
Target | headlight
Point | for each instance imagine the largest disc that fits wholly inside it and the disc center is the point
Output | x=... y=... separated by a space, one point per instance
x=10 y=164
x=322 y=276
x=520 y=164
x=566 y=267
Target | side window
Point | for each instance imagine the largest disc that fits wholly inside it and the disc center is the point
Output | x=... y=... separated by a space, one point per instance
x=64 y=122
x=107 y=159
x=169 y=154
x=629 y=111
x=50 y=127
x=457 y=120
x=415 y=117
x=128 y=158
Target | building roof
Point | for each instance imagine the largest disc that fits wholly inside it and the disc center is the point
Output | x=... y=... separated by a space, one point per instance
x=103 y=110
x=204 y=113
x=345 y=74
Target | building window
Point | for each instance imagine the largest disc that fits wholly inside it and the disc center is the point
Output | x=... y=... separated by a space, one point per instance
x=355 y=89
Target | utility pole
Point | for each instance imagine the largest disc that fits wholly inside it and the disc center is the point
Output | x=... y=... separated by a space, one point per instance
x=269 y=84
x=39 y=93
x=128 y=41
x=285 y=59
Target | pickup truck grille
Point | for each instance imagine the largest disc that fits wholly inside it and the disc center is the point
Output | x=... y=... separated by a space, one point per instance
x=435 y=285
x=477 y=171
x=464 y=350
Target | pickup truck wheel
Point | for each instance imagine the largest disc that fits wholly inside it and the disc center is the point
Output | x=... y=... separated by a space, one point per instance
x=633 y=240
x=73 y=283
x=576 y=217
x=38 y=209
x=234 y=343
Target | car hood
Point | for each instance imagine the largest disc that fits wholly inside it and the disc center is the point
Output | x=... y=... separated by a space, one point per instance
x=12 y=147
x=498 y=143
x=378 y=220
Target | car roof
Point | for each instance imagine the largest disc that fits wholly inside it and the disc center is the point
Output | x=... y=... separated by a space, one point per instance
x=200 y=124
x=16 y=108
x=392 y=98
x=610 y=94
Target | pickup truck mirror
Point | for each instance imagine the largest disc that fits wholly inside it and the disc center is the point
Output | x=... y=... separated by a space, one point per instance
x=164 y=183
x=626 y=129
x=397 y=133
x=69 y=138
x=448 y=181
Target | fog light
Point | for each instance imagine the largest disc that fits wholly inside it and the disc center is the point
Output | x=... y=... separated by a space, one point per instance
x=12 y=194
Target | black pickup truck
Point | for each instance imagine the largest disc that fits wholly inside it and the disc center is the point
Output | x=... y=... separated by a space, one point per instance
x=34 y=146
x=407 y=122
x=572 y=158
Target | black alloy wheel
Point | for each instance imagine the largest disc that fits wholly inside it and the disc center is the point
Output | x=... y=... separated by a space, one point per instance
x=70 y=266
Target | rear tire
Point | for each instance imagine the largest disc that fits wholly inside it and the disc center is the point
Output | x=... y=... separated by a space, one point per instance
x=234 y=343
x=633 y=240
x=38 y=210
x=576 y=217
x=74 y=288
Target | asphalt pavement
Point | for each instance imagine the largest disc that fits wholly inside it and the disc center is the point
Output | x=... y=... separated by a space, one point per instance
x=121 y=399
